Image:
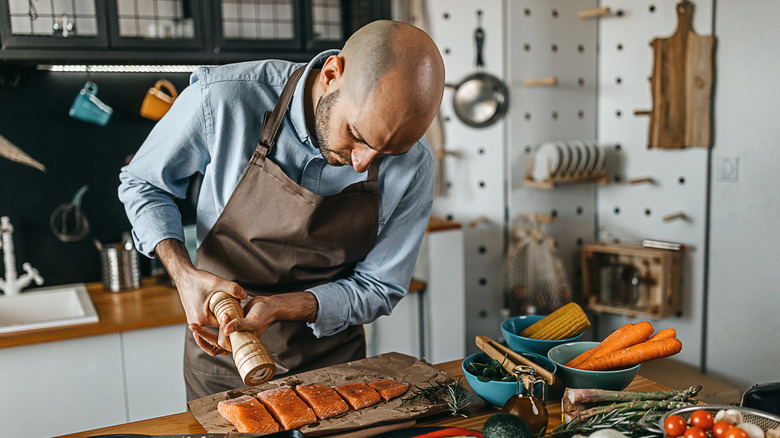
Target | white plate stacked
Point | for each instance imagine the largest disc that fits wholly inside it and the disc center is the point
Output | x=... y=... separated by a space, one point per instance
x=567 y=159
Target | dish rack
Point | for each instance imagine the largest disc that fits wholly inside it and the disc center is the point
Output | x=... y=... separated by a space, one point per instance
x=562 y=162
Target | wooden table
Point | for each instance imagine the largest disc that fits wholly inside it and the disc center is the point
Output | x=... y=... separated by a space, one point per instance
x=185 y=423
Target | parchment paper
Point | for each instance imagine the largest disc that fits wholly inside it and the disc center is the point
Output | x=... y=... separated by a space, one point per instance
x=386 y=366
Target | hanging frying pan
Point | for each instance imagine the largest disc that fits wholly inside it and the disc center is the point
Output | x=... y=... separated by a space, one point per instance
x=480 y=99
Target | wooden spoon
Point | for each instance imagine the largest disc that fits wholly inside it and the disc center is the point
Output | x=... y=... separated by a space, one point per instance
x=485 y=344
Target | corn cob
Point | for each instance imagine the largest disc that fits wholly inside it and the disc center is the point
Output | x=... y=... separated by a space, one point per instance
x=563 y=323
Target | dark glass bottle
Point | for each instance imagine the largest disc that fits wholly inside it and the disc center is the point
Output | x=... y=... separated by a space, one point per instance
x=525 y=404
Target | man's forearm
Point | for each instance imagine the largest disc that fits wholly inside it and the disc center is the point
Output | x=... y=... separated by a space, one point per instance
x=174 y=256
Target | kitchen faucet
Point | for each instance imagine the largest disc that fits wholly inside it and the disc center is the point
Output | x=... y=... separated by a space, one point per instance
x=12 y=284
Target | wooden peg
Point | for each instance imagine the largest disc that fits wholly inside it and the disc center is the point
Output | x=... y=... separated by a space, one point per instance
x=549 y=81
x=638 y=112
x=675 y=216
x=539 y=217
x=593 y=13
x=252 y=359
x=646 y=179
x=476 y=222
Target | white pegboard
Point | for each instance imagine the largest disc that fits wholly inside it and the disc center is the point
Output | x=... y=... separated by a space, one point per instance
x=547 y=39
x=475 y=176
x=634 y=212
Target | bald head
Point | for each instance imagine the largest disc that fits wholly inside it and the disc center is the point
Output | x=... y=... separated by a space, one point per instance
x=399 y=57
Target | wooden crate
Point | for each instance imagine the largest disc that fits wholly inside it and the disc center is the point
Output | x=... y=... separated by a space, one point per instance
x=609 y=268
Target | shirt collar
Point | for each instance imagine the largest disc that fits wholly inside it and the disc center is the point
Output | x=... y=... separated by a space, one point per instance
x=297 y=114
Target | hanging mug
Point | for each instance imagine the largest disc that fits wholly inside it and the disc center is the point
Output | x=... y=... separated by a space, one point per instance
x=88 y=108
x=157 y=102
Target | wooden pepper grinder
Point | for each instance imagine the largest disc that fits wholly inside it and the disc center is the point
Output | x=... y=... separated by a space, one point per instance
x=252 y=359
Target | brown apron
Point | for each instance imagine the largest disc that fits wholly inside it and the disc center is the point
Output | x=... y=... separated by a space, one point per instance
x=275 y=236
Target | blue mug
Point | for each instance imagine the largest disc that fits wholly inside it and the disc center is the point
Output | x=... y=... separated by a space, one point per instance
x=88 y=108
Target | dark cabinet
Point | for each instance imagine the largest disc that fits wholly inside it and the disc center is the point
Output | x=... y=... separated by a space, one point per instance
x=176 y=31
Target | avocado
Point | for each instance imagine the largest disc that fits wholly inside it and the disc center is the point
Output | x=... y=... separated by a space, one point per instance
x=504 y=425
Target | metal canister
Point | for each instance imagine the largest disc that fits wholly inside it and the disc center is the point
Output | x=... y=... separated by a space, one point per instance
x=121 y=270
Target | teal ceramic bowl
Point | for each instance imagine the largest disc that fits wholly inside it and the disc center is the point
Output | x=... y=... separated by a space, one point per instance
x=496 y=392
x=512 y=326
x=573 y=378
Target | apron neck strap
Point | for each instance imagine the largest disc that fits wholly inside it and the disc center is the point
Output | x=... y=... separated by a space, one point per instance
x=273 y=120
x=373 y=170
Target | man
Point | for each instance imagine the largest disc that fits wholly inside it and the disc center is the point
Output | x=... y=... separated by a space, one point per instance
x=312 y=214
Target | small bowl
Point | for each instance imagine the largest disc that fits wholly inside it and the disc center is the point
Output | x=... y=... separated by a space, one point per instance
x=496 y=392
x=616 y=380
x=512 y=326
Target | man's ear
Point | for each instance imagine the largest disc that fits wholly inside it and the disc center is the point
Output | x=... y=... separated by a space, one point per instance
x=332 y=70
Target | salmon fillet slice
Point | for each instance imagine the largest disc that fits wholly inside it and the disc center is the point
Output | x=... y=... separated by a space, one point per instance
x=388 y=389
x=323 y=399
x=358 y=395
x=288 y=409
x=247 y=415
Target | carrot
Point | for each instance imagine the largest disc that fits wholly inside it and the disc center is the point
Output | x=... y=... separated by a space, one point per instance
x=590 y=352
x=639 y=332
x=664 y=334
x=635 y=354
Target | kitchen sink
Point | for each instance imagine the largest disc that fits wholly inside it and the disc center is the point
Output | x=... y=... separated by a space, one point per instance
x=44 y=307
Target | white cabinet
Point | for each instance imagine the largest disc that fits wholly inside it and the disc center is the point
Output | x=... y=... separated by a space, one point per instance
x=153 y=372
x=63 y=387
x=429 y=324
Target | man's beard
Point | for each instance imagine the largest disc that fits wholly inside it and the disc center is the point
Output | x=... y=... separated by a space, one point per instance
x=322 y=131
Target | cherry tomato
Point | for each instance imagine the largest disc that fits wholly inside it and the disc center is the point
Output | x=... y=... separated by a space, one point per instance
x=720 y=428
x=695 y=432
x=735 y=432
x=675 y=426
x=703 y=419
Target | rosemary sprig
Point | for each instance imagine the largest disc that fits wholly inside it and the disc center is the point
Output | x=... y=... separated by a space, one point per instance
x=623 y=420
x=455 y=393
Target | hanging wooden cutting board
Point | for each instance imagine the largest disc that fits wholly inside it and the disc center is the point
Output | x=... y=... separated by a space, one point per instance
x=681 y=86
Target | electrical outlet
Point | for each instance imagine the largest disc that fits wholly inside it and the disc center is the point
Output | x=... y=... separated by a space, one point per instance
x=726 y=167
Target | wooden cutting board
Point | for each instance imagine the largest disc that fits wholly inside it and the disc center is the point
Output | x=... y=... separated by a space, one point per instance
x=385 y=366
x=681 y=86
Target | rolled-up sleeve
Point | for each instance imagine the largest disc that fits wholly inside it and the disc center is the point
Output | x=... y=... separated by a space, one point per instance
x=382 y=278
x=159 y=172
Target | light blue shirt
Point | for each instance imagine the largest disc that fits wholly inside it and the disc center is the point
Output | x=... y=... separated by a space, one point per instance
x=213 y=128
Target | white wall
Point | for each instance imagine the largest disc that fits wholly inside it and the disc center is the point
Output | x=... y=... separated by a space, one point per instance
x=743 y=312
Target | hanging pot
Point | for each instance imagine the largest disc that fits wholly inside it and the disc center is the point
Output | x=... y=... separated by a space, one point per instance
x=480 y=99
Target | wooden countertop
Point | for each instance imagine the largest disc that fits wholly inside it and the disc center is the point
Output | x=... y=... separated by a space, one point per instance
x=185 y=423
x=153 y=305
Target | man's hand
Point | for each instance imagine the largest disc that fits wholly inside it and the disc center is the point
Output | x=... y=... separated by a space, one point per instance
x=195 y=288
x=262 y=311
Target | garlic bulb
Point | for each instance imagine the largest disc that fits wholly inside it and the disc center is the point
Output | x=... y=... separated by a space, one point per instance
x=733 y=416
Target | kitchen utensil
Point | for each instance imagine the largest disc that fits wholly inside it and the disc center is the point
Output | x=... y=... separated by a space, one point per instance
x=681 y=85
x=157 y=102
x=480 y=99
x=285 y=434
x=121 y=270
x=68 y=222
x=88 y=108
x=252 y=359
x=12 y=152
x=616 y=380
x=497 y=351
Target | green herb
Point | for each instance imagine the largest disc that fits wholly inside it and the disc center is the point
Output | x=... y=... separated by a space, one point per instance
x=624 y=420
x=490 y=370
x=456 y=395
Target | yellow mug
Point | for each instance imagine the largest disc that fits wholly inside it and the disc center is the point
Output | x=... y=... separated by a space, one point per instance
x=157 y=102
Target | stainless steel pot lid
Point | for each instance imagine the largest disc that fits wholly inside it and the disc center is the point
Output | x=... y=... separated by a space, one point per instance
x=480 y=100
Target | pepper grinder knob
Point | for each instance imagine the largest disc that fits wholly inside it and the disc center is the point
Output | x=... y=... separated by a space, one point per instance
x=253 y=362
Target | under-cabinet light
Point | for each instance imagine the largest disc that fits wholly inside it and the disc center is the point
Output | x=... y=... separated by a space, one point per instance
x=120 y=68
